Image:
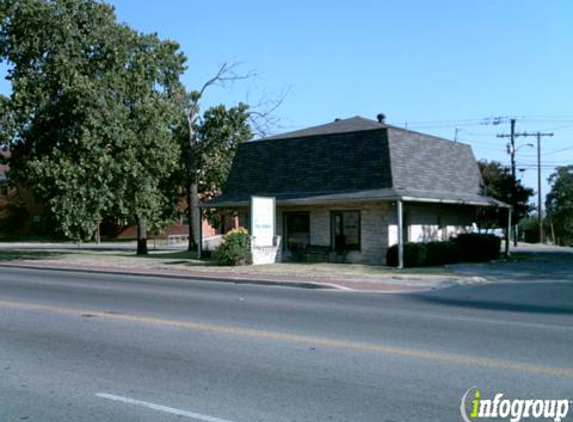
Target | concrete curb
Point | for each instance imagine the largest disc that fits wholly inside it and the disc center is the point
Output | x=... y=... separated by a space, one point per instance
x=327 y=284
x=234 y=280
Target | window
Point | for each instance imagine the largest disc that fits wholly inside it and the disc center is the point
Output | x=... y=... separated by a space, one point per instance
x=346 y=230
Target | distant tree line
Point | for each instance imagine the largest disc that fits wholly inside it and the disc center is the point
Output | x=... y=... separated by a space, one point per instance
x=558 y=219
x=559 y=205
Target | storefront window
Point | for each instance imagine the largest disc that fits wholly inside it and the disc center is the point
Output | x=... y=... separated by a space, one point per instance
x=346 y=230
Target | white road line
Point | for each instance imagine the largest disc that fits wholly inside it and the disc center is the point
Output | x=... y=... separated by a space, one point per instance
x=160 y=408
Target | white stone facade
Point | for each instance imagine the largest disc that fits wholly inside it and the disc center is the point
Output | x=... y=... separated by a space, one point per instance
x=378 y=229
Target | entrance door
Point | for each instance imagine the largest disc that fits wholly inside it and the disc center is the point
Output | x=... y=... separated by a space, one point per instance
x=297 y=230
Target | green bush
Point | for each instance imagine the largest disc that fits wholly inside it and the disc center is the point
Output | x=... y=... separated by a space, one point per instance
x=470 y=247
x=475 y=247
x=414 y=255
x=442 y=253
x=235 y=248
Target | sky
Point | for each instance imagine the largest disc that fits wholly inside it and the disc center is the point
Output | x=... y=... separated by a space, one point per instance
x=431 y=66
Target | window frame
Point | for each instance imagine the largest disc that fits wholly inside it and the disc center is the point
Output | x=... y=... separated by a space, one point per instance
x=333 y=214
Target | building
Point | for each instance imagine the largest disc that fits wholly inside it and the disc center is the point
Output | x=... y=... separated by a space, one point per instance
x=357 y=186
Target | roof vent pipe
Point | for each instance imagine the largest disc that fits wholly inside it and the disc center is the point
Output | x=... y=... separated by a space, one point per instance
x=381 y=117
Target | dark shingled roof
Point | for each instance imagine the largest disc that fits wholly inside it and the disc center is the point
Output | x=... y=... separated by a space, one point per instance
x=353 y=159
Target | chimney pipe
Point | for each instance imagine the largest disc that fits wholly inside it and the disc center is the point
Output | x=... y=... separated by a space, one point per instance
x=381 y=117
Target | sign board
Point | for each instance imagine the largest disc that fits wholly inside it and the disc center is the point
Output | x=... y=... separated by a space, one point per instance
x=263 y=220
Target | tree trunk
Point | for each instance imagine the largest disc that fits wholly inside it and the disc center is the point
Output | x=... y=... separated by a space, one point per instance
x=191 y=193
x=141 y=236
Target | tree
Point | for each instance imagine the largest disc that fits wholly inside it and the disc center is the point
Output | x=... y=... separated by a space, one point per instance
x=499 y=184
x=149 y=151
x=92 y=109
x=559 y=205
x=260 y=118
x=220 y=131
x=61 y=54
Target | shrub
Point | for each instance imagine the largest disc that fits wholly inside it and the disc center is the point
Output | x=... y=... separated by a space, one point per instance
x=471 y=247
x=475 y=247
x=442 y=253
x=235 y=248
x=414 y=255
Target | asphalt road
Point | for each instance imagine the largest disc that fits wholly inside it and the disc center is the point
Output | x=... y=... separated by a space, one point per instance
x=86 y=347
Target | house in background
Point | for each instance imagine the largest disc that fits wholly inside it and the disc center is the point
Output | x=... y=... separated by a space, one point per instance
x=357 y=186
x=19 y=213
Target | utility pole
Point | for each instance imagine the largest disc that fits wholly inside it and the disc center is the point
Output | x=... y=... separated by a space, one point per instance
x=511 y=151
x=539 y=135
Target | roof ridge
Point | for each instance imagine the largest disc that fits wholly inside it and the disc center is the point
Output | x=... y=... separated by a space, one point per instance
x=346 y=125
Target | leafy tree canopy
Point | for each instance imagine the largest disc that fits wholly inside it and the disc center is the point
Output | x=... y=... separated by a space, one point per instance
x=499 y=184
x=559 y=204
x=220 y=131
x=91 y=112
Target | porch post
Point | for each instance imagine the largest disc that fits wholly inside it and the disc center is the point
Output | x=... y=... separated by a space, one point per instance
x=200 y=233
x=399 y=209
x=508 y=232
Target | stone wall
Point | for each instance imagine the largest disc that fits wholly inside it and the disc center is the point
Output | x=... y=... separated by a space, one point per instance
x=378 y=229
x=374 y=221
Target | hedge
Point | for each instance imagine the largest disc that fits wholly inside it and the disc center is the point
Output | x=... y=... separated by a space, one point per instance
x=476 y=247
x=470 y=247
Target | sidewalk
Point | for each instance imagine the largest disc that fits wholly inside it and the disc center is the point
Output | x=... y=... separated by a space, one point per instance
x=181 y=265
x=364 y=285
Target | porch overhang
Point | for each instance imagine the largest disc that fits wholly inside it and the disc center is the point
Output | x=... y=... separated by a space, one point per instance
x=379 y=195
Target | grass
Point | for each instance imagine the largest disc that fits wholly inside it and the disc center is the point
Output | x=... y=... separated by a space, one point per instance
x=15 y=255
x=168 y=255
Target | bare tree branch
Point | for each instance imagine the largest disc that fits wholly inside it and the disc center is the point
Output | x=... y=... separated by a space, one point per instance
x=225 y=74
x=262 y=117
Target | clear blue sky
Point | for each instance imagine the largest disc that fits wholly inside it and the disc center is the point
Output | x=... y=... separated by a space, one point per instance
x=435 y=65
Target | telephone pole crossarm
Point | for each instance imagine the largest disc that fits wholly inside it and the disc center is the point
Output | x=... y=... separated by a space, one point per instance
x=512 y=150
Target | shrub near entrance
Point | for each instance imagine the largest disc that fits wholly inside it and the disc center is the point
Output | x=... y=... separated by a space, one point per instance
x=235 y=249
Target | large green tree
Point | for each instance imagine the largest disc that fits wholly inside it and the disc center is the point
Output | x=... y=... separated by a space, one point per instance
x=499 y=184
x=559 y=205
x=92 y=109
x=149 y=153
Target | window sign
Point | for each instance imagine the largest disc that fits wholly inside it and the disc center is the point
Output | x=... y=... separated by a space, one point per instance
x=263 y=220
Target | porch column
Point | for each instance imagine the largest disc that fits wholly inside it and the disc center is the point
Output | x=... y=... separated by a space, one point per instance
x=400 y=217
x=200 y=233
x=508 y=232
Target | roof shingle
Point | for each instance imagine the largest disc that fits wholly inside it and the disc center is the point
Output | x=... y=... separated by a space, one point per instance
x=353 y=159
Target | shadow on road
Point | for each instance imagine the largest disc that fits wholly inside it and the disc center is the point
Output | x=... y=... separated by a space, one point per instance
x=552 y=298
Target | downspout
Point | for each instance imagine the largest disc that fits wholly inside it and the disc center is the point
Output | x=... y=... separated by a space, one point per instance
x=400 y=212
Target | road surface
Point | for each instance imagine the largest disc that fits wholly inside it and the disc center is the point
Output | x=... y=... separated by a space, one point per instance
x=88 y=347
